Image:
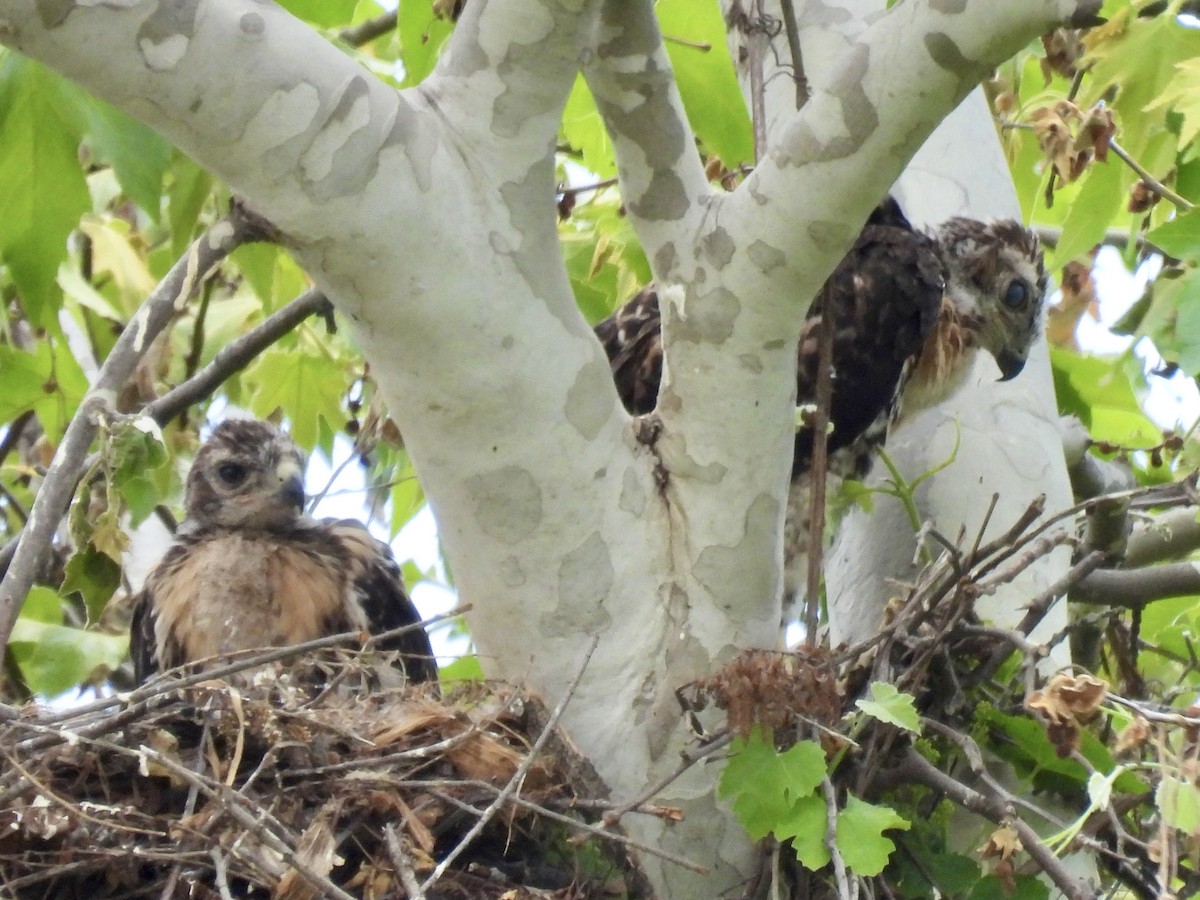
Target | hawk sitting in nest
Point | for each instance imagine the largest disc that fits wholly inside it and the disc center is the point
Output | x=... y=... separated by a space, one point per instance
x=909 y=311
x=249 y=570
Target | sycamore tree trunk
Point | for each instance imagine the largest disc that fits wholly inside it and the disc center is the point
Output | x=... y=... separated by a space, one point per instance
x=427 y=216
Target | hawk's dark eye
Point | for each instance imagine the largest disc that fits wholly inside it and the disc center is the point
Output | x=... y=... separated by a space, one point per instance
x=232 y=473
x=1016 y=294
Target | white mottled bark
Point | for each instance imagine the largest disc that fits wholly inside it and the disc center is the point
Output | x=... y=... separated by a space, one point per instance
x=427 y=215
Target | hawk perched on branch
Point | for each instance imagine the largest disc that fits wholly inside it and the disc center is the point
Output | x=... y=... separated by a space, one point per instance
x=909 y=311
x=249 y=570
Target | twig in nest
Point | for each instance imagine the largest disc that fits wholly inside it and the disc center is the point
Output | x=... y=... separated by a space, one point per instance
x=84 y=723
x=514 y=783
x=597 y=830
x=611 y=818
x=166 y=683
x=219 y=875
x=1036 y=610
x=400 y=859
x=232 y=802
x=206 y=786
x=189 y=807
x=45 y=791
x=839 y=865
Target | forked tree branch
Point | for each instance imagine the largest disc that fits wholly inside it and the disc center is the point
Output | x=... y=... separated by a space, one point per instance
x=997 y=806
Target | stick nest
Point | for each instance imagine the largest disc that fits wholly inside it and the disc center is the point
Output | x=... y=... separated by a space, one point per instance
x=298 y=783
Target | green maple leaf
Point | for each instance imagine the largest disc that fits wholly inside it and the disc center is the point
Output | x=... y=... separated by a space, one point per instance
x=860 y=839
x=765 y=784
x=889 y=705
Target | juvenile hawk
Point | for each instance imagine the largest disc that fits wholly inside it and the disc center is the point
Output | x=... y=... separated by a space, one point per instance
x=909 y=311
x=248 y=569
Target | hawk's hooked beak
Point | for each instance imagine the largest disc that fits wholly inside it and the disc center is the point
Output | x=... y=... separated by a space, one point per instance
x=291 y=485
x=1010 y=365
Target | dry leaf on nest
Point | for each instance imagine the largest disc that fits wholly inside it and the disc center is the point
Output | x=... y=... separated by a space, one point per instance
x=416 y=828
x=1000 y=844
x=1067 y=701
x=391 y=803
x=484 y=758
x=1133 y=736
x=405 y=718
x=1069 y=697
x=316 y=850
x=371 y=881
x=166 y=745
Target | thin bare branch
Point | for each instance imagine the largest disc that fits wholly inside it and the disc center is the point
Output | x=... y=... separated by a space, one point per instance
x=402 y=861
x=236 y=355
x=997 y=807
x=788 y=11
x=597 y=830
x=365 y=32
x=614 y=816
x=1153 y=183
x=758 y=43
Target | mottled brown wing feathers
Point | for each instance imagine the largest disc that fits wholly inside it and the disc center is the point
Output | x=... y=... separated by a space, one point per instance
x=884 y=299
x=142 y=648
x=378 y=588
x=148 y=657
x=632 y=338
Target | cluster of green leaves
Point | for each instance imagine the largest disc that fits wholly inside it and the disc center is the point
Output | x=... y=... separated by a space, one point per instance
x=779 y=793
x=783 y=793
x=1141 y=68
